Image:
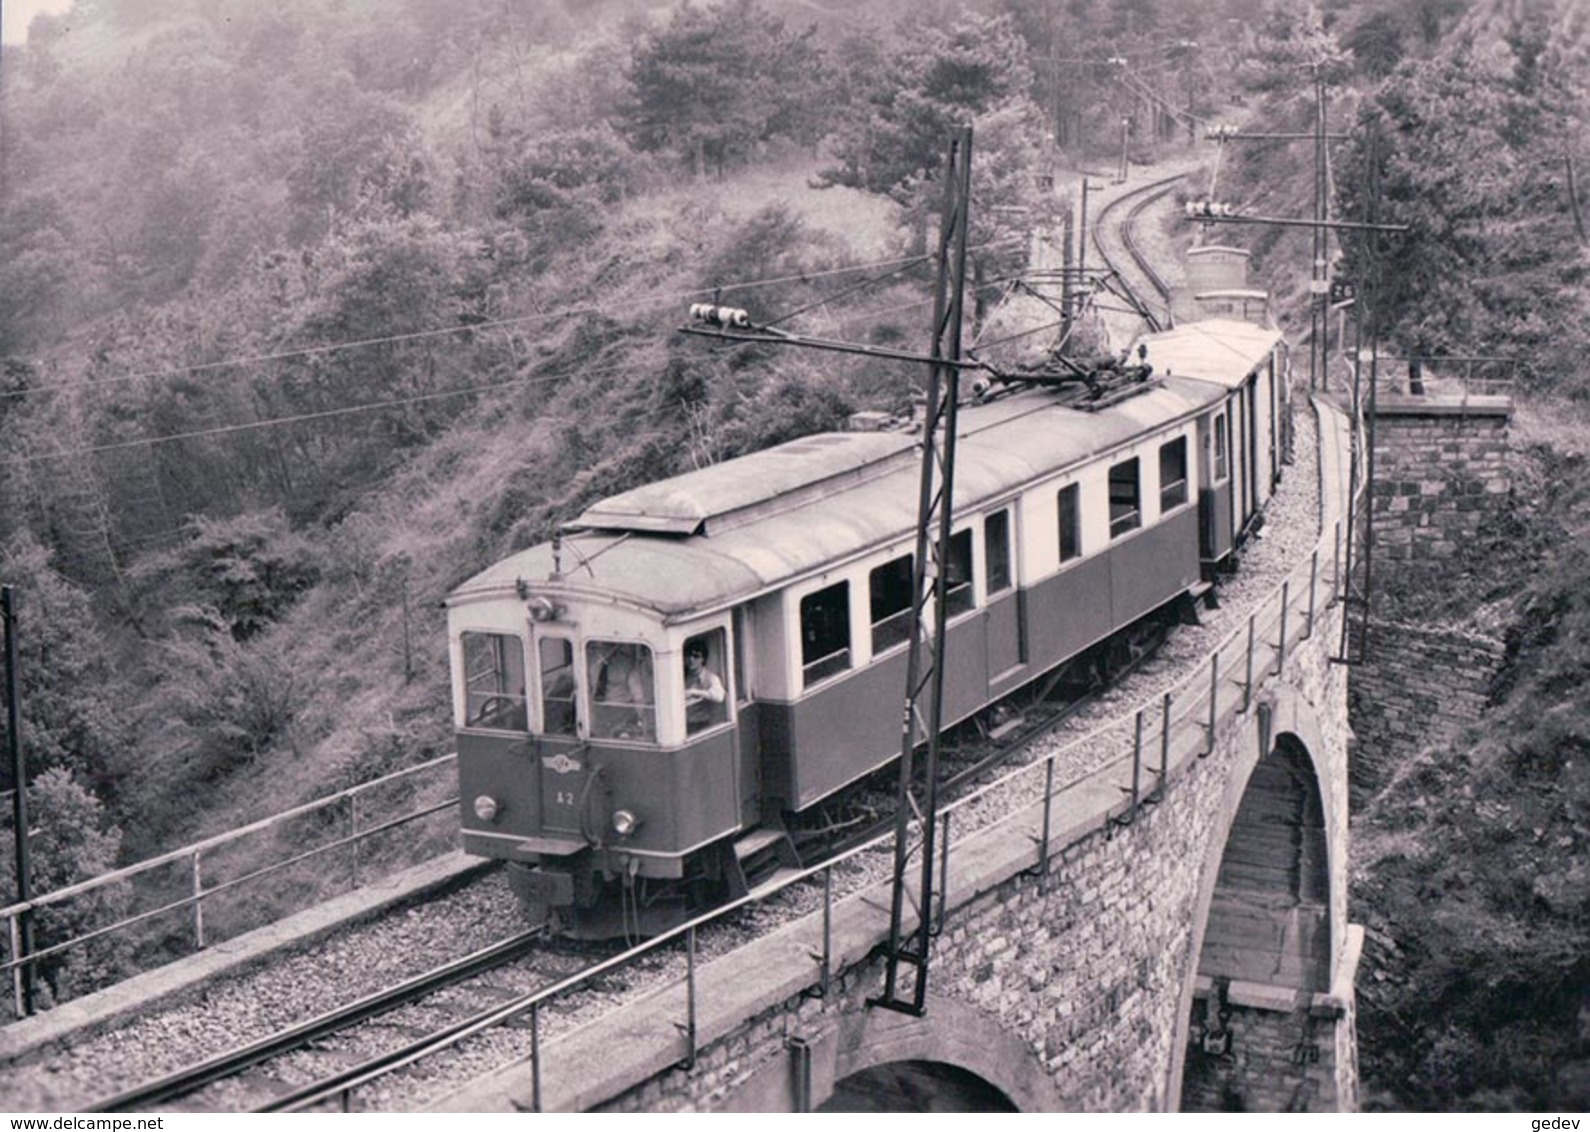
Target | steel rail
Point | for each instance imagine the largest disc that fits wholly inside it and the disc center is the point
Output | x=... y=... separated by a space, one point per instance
x=1143 y=197
x=233 y=1062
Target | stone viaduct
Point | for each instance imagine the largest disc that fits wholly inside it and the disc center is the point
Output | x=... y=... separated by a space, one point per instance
x=1186 y=947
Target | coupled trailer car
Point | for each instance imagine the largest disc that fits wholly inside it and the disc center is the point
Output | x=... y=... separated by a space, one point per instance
x=627 y=790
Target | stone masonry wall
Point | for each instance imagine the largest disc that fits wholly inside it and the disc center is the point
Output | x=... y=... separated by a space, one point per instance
x=1418 y=687
x=1437 y=475
x=1274 y=1065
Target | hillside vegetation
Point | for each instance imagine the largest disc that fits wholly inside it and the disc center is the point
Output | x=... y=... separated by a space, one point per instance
x=309 y=311
x=1473 y=863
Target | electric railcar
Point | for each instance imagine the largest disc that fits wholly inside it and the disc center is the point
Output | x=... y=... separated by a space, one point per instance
x=621 y=799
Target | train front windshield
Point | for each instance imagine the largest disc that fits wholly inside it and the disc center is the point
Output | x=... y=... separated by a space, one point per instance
x=613 y=687
x=622 y=682
x=494 y=682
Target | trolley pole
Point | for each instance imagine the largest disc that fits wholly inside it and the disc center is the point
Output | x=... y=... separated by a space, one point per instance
x=23 y=939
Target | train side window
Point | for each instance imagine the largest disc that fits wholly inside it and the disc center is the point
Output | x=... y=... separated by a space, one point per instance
x=494 y=682
x=889 y=590
x=959 y=595
x=1172 y=474
x=556 y=657
x=825 y=633
x=1222 y=459
x=1126 y=498
x=1070 y=502
x=623 y=686
x=996 y=546
x=706 y=699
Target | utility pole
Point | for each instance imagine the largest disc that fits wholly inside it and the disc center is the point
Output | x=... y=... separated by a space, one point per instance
x=923 y=715
x=1319 y=285
x=22 y=930
x=1359 y=595
x=1082 y=236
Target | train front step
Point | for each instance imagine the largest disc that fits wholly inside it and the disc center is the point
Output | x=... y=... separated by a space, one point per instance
x=760 y=856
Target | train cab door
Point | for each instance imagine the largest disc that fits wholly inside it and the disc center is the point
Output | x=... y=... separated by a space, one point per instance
x=1253 y=443
x=748 y=747
x=1242 y=425
x=1214 y=488
x=559 y=720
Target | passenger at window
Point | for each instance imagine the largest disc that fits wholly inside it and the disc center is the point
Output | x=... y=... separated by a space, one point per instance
x=620 y=684
x=703 y=690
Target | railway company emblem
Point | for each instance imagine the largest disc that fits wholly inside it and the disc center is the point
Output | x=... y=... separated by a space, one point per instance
x=561 y=764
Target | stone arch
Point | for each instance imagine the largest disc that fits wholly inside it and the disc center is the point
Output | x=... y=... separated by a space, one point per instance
x=1289 y=789
x=1269 y=914
x=916 y=1086
x=955 y=1043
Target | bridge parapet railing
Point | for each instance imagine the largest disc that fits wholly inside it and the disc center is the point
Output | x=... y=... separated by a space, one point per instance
x=1148 y=743
x=178 y=900
x=1448 y=378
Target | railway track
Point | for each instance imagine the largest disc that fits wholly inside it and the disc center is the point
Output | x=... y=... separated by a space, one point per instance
x=319 y=1033
x=314 y=1064
x=1144 y=287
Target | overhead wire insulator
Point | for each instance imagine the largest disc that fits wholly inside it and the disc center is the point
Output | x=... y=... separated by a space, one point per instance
x=714 y=315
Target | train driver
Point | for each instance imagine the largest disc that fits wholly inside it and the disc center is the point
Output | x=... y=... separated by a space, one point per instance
x=621 y=679
x=704 y=692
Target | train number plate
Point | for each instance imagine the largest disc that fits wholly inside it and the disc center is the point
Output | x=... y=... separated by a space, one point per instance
x=562 y=785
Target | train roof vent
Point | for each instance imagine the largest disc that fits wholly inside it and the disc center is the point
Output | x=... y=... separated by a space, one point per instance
x=725 y=496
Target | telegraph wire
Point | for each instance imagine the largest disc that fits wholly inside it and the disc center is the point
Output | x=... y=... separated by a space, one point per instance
x=655 y=298
x=297 y=418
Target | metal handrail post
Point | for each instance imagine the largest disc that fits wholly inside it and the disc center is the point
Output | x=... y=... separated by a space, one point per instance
x=1214 y=701
x=1048 y=815
x=1280 y=648
x=1137 y=760
x=944 y=877
x=17 y=985
x=1313 y=579
x=535 y=1057
x=1336 y=565
x=353 y=833
x=690 y=999
x=1164 y=745
x=1247 y=683
x=828 y=930
x=198 y=902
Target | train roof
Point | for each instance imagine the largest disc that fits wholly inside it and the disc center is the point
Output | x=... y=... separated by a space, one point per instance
x=1221 y=350
x=719 y=535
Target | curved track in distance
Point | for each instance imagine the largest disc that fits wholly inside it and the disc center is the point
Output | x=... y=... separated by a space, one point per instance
x=1112 y=236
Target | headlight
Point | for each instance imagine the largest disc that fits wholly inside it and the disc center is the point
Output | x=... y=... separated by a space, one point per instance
x=486 y=808
x=624 y=822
